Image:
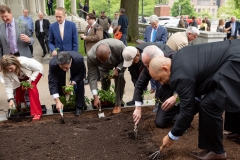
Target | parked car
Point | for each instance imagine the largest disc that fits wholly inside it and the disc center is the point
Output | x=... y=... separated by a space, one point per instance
x=164 y=19
x=172 y=23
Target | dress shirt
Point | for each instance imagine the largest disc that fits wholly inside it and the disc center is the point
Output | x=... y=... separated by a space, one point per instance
x=29 y=22
x=41 y=25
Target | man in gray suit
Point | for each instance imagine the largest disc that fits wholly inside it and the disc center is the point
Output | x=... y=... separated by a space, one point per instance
x=107 y=55
x=15 y=37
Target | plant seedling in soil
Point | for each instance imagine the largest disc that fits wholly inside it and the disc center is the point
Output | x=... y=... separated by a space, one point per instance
x=26 y=85
x=109 y=76
x=145 y=93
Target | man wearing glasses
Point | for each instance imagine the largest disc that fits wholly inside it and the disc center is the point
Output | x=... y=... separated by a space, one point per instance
x=107 y=55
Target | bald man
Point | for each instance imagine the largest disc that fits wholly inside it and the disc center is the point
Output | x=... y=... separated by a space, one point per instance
x=41 y=30
x=196 y=72
x=232 y=28
x=107 y=55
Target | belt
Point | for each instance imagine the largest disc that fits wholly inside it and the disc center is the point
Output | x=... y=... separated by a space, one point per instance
x=16 y=54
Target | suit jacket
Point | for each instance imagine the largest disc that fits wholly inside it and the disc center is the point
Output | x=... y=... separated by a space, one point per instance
x=70 y=38
x=144 y=77
x=94 y=35
x=194 y=23
x=198 y=70
x=57 y=77
x=23 y=47
x=30 y=67
x=161 y=35
x=237 y=28
x=115 y=60
x=177 y=41
x=45 y=26
x=181 y=24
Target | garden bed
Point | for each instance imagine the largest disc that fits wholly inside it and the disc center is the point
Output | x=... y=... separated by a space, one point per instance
x=88 y=137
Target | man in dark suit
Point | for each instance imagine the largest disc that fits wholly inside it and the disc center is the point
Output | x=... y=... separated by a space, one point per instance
x=50 y=7
x=18 y=43
x=197 y=72
x=67 y=61
x=62 y=34
x=41 y=30
x=233 y=28
x=86 y=10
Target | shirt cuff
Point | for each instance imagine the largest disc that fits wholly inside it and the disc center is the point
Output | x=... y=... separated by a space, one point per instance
x=56 y=95
x=94 y=92
x=138 y=103
x=171 y=136
x=119 y=68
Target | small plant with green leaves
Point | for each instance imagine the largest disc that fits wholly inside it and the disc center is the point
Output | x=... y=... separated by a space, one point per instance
x=146 y=93
x=20 y=26
x=57 y=49
x=71 y=101
x=107 y=95
x=157 y=100
x=68 y=89
x=110 y=75
x=87 y=100
x=26 y=85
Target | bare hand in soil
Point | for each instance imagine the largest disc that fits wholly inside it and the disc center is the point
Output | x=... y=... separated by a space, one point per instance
x=167 y=142
x=96 y=101
x=169 y=103
x=137 y=114
x=115 y=73
x=11 y=103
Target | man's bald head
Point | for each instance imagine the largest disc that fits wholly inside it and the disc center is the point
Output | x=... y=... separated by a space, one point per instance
x=149 y=53
x=159 y=69
x=103 y=53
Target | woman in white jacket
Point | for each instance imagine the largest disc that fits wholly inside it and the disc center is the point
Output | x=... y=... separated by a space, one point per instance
x=17 y=69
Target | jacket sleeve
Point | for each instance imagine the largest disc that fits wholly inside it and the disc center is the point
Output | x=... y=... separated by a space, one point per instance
x=141 y=84
x=163 y=36
x=52 y=79
x=36 y=68
x=51 y=39
x=92 y=72
x=81 y=71
x=8 y=86
x=29 y=34
x=75 y=38
x=97 y=36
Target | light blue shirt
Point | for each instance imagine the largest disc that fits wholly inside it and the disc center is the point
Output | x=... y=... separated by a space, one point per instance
x=29 y=22
x=14 y=34
x=233 y=28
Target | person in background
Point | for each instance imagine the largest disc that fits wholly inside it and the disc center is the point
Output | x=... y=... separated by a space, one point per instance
x=115 y=22
x=123 y=26
x=181 y=39
x=221 y=26
x=41 y=30
x=18 y=69
x=232 y=28
x=26 y=18
x=50 y=7
x=62 y=34
x=181 y=23
x=67 y=68
x=16 y=44
x=104 y=21
x=203 y=26
x=194 y=22
x=208 y=24
x=80 y=6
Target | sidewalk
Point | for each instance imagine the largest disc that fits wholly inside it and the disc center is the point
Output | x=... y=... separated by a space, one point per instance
x=46 y=98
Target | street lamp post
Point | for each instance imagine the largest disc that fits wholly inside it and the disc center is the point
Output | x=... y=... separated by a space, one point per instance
x=109 y=7
x=179 y=10
x=142 y=11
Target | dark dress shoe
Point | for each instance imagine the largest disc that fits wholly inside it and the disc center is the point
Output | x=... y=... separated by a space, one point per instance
x=233 y=136
x=43 y=55
x=130 y=103
x=205 y=155
x=78 y=112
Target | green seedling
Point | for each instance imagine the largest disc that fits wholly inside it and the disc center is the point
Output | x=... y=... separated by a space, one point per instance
x=26 y=85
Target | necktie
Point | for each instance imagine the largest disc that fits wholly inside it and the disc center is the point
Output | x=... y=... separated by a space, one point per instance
x=154 y=35
x=61 y=30
x=10 y=38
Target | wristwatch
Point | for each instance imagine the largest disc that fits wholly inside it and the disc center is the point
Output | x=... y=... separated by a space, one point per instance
x=10 y=99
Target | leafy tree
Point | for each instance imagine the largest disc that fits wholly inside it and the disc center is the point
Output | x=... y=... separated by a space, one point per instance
x=186 y=8
x=205 y=13
x=228 y=10
x=237 y=4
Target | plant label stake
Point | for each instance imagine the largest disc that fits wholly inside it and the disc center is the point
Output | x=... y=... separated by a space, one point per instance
x=135 y=131
x=101 y=114
x=155 y=155
x=61 y=113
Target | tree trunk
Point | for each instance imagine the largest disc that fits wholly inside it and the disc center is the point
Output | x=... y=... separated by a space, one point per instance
x=131 y=11
x=86 y=1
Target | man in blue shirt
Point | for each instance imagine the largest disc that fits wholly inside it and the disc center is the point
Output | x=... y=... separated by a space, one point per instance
x=29 y=22
x=122 y=26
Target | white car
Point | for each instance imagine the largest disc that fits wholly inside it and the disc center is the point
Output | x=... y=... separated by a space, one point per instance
x=172 y=23
x=164 y=19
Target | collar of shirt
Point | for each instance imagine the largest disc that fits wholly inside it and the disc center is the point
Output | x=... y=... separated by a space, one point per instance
x=12 y=23
x=62 y=23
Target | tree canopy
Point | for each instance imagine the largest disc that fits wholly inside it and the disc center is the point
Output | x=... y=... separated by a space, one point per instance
x=186 y=8
x=231 y=8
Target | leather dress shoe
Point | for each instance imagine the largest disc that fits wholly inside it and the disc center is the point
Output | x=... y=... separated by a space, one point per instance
x=117 y=109
x=78 y=112
x=130 y=103
x=208 y=155
x=233 y=136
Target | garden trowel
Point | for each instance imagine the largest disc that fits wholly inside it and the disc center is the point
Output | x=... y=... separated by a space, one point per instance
x=135 y=131
x=61 y=113
x=101 y=114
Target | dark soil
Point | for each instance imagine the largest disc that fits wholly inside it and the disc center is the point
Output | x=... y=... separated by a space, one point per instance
x=88 y=137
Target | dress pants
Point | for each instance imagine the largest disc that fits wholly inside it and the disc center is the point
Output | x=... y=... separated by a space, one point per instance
x=35 y=106
x=119 y=83
x=43 y=40
x=210 y=124
x=232 y=122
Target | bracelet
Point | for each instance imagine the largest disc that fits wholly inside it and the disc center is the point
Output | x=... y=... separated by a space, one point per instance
x=10 y=99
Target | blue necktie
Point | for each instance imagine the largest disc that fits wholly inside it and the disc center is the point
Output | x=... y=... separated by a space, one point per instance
x=154 y=35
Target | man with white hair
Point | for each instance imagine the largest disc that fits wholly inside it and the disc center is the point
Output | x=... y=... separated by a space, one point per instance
x=167 y=111
x=232 y=28
x=181 y=39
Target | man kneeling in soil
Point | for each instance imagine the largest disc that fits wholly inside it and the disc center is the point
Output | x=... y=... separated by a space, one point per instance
x=67 y=68
x=197 y=72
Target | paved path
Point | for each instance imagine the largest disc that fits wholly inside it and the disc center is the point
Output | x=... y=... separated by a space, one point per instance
x=44 y=94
